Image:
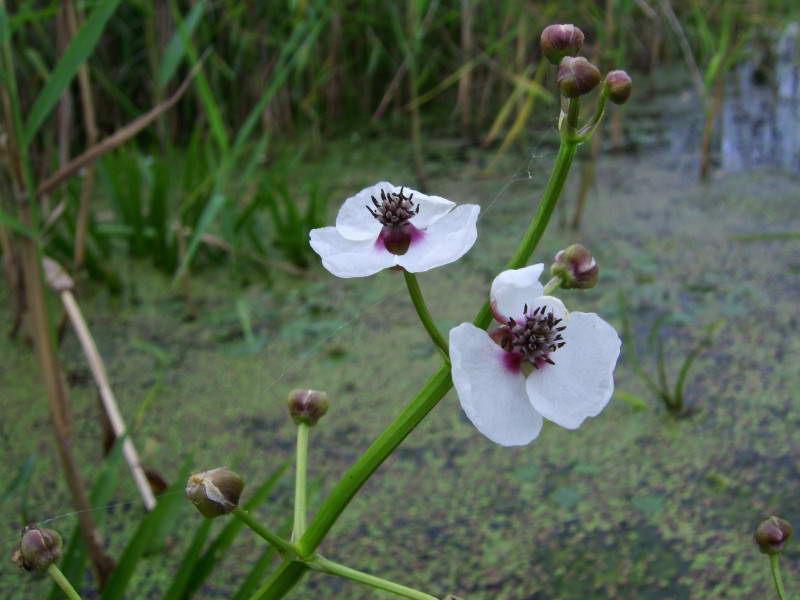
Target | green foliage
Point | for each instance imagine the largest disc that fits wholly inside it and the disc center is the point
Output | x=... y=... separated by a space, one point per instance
x=78 y=51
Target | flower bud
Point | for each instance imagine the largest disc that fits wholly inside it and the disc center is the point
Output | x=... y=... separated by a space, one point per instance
x=559 y=41
x=577 y=76
x=575 y=267
x=618 y=86
x=38 y=549
x=215 y=492
x=772 y=534
x=307 y=406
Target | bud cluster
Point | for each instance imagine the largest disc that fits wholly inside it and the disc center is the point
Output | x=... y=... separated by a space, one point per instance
x=576 y=75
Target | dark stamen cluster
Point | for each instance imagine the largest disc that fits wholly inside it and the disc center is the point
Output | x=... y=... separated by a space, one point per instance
x=394 y=209
x=537 y=337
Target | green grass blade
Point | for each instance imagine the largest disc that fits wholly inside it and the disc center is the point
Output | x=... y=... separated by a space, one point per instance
x=12 y=222
x=176 y=48
x=155 y=524
x=226 y=537
x=206 y=219
x=207 y=98
x=21 y=479
x=705 y=342
x=289 y=55
x=79 y=49
x=182 y=577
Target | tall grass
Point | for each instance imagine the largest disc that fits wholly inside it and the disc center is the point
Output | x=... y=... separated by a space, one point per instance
x=314 y=69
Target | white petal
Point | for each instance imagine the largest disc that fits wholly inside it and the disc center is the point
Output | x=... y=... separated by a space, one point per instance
x=581 y=382
x=492 y=395
x=348 y=258
x=514 y=288
x=447 y=240
x=431 y=208
x=354 y=221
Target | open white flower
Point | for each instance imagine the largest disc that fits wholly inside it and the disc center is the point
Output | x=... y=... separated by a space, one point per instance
x=384 y=226
x=543 y=362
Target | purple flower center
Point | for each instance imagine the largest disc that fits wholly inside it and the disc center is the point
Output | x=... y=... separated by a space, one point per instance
x=394 y=211
x=531 y=340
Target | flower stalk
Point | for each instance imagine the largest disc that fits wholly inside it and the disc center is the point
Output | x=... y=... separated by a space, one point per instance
x=63 y=582
x=333 y=568
x=290 y=572
x=300 y=478
x=424 y=314
x=286 y=549
x=775 y=567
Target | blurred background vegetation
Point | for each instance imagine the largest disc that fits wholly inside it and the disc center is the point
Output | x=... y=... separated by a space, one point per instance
x=212 y=179
x=188 y=244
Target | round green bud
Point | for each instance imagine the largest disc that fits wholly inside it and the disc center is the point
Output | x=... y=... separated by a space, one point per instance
x=38 y=549
x=577 y=76
x=307 y=406
x=558 y=41
x=575 y=267
x=215 y=492
x=772 y=534
x=618 y=86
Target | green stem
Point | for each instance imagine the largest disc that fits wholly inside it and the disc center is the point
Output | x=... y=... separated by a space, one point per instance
x=424 y=314
x=282 y=581
x=284 y=547
x=551 y=286
x=775 y=564
x=334 y=568
x=63 y=582
x=434 y=390
x=300 y=494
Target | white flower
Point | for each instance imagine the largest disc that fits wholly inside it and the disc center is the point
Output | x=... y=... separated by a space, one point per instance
x=384 y=226
x=544 y=362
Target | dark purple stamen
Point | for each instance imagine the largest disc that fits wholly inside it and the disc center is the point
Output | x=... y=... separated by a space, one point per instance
x=535 y=338
x=394 y=209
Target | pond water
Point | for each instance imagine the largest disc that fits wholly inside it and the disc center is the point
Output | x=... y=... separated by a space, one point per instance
x=761 y=114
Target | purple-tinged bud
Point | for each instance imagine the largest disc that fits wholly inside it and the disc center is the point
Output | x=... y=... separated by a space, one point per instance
x=618 y=86
x=308 y=406
x=575 y=267
x=38 y=549
x=577 y=76
x=772 y=534
x=559 y=41
x=216 y=492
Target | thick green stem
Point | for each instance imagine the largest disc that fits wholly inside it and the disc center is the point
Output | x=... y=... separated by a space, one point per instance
x=282 y=581
x=63 y=582
x=434 y=390
x=333 y=568
x=775 y=564
x=424 y=314
x=287 y=549
x=300 y=494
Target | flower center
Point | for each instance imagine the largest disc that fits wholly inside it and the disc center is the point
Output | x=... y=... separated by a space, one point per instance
x=536 y=337
x=394 y=209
